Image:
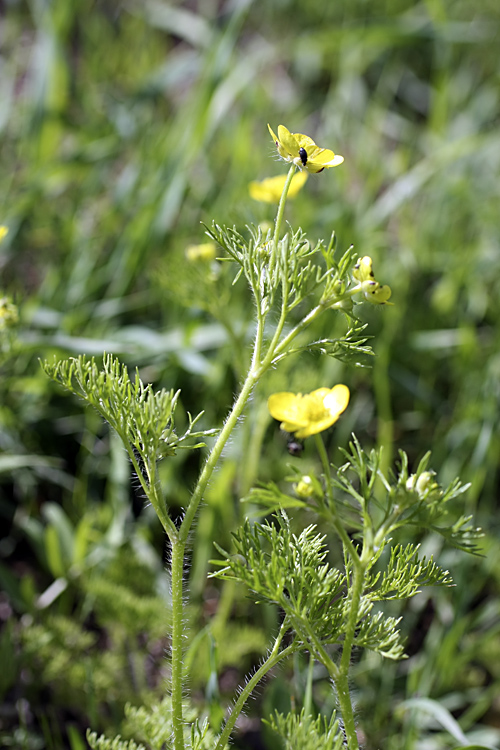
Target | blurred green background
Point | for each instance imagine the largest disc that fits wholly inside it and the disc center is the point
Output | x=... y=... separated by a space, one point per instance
x=124 y=125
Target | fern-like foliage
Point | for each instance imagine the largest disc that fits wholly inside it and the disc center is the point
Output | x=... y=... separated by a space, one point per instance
x=154 y=726
x=349 y=348
x=117 y=603
x=101 y=742
x=143 y=418
x=380 y=634
x=405 y=575
x=291 y=272
x=290 y=571
x=152 y=729
x=303 y=732
x=266 y=271
x=410 y=499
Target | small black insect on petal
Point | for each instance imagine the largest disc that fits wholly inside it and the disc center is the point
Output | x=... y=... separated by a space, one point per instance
x=303 y=156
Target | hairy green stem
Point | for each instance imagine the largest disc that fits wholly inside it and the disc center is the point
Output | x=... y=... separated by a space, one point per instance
x=273 y=261
x=151 y=491
x=257 y=369
x=341 y=678
x=274 y=657
x=178 y=549
x=179 y=537
x=304 y=323
x=302 y=627
x=215 y=454
x=342 y=682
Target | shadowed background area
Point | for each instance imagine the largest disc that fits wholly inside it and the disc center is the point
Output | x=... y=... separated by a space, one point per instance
x=127 y=125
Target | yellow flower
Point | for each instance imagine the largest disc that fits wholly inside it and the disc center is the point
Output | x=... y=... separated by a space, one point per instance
x=303 y=152
x=203 y=253
x=270 y=190
x=308 y=414
x=3 y=231
x=374 y=292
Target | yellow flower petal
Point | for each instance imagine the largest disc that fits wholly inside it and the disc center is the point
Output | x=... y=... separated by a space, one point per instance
x=3 y=231
x=287 y=406
x=311 y=413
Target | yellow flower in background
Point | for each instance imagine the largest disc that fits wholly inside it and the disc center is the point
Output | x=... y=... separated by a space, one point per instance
x=378 y=294
x=303 y=152
x=265 y=227
x=270 y=190
x=308 y=414
x=3 y=231
x=205 y=252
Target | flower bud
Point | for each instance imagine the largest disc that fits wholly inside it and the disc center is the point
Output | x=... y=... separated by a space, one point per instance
x=304 y=487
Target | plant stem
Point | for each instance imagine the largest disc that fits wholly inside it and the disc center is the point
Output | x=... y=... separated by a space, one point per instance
x=284 y=280
x=341 y=677
x=178 y=549
x=303 y=628
x=150 y=490
x=304 y=323
x=257 y=369
x=329 y=510
x=342 y=682
x=215 y=454
x=274 y=657
x=281 y=209
x=179 y=537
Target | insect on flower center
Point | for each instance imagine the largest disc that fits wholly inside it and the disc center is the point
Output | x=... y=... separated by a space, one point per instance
x=303 y=156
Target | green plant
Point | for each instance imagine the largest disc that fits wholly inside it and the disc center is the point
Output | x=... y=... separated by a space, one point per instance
x=327 y=610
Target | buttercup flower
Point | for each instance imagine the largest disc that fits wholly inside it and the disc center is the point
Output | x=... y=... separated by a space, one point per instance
x=303 y=152
x=308 y=414
x=269 y=191
x=3 y=231
x=374 y=292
